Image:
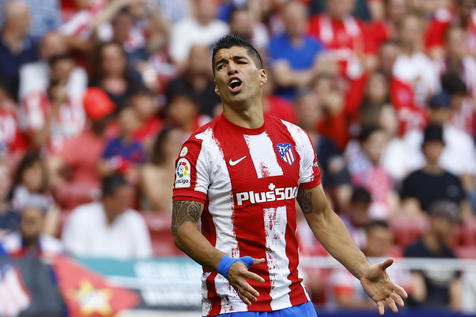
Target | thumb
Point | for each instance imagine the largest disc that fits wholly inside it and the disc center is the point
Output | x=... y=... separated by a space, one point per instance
x=258 y=261
x=385 y=264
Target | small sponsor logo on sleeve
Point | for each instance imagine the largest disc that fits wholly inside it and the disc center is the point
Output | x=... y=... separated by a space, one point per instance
x=184 y=151
x=182 y=174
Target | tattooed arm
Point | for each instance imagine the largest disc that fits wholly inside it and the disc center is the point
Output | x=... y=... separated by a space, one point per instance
x=185 y=217
x=332 y=233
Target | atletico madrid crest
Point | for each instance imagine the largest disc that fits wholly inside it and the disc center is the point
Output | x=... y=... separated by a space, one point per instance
x=286 y=152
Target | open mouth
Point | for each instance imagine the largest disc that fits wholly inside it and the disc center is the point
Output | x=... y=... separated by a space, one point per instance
x=235 y=85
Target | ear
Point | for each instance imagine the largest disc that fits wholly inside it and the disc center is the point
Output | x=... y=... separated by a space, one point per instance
x=263 y=77
x=217 y=91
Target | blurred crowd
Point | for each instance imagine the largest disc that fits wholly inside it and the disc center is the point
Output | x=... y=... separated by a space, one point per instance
x=97 y=96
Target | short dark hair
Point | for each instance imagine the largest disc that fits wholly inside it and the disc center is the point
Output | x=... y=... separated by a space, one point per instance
x=233 y=40
x=377 y=224
x=111 y=183
x=360 y=195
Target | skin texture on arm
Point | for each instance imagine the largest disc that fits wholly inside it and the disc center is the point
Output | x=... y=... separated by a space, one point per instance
x=185 y=217
x=332 y=233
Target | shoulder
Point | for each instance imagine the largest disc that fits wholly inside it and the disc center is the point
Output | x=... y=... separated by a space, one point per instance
x=85 y=212
x=133 y=218
x=51 y=245
x=416 y=249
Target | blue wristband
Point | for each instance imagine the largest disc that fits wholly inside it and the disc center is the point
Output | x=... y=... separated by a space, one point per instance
x=226 y=262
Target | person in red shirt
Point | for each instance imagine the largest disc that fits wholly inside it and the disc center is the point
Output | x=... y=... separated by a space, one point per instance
x=342 y=34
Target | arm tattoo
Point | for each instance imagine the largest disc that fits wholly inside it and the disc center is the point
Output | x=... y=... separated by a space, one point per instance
x=185 y=210
x=304 y=199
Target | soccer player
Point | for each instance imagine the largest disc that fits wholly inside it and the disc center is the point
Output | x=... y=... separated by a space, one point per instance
x=240 y=175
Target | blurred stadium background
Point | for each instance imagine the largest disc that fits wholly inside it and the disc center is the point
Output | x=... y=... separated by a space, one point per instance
x=97 y=96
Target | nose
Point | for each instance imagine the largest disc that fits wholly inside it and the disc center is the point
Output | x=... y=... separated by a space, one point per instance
x=231 y=68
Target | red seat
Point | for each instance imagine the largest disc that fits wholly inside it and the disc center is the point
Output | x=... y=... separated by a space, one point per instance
x=468 y=234
x=407 y=231
x=161 y=233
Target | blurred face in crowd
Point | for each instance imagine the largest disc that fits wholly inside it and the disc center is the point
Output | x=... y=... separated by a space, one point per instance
x=182 y=111
x=387 y=56
x=359 y=213
x=6 y=181
x=411 y=31
x=379 y=241
x=456 y=43
x=237 y=63
x=440 y=115
x=128 y=121
x=377 y=88
x=198 y=60
x=113 y=61
x=388 y=120
x=396 y=9
x=119 y=201
x=308 y=111
x=121 y=26
x=52 y=43
x=173 y=143
x=31 y=224
x=442 y=228
x=17 y=17
x=205 y=11
x=375 y=145
x=144 y=105
x=339 y=9
x=82 y=4
x=432 y=151
x=61 y=70
x=295 y=19
x=241 y=24
x=33 y=177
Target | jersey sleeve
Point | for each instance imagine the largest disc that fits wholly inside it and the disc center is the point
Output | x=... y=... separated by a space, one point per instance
x=309 y=174
x=192 y=176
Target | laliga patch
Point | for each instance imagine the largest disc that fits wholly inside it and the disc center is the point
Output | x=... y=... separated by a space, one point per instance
x=182 y=174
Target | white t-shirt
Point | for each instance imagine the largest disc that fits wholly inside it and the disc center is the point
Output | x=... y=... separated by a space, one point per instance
x=87 y=233
x=188 y=32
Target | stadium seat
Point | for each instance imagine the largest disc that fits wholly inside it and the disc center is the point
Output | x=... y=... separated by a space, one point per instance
x=466 y=252
x=468 y=234
x=407 y=231
x=161 y=233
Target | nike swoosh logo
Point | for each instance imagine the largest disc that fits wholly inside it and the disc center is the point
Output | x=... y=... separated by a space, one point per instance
x=233 y=163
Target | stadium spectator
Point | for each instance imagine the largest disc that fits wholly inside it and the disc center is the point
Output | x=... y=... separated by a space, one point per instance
x=431 y=183
x=335 y=175
x=45 y=16
x=343 y=35
x=347 y=293
x=31 y=188
x=242 y=23
x=9 y=218
x=75 y=167
x=35 y=76
x=197 y=78
x=277 y=106
x=50 y=117
x=111 y=73
x=123 y=153
x=17 y=47
x=364 y=161
x=182 y=111
x=437 y=287
x=156 y=178
x=12 y=140
x=412 y=65
x=293 y=54
x=30 y=237
x=356 y=215
x=108 y=228
x=143 y=102
x=202 y=27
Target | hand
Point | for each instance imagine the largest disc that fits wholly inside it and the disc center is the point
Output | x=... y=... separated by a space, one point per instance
x=238 y=276
x=381 y=288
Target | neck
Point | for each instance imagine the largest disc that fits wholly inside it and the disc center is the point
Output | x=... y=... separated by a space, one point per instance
x=12 y=38
x=433 y=168
x=432 y=243
x=249 y=116
x=408 y=48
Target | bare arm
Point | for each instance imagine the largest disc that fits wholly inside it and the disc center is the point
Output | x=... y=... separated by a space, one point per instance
x=187 y=237
x=332 y=233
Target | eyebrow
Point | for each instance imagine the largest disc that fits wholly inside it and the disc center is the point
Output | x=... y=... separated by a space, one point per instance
x=236 y=57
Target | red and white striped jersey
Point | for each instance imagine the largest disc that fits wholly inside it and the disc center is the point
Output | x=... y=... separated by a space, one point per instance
x=248 y=181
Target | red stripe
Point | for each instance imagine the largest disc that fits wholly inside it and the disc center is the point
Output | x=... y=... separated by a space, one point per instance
x=212 y=295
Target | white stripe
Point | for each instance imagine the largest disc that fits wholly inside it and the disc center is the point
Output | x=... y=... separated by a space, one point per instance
x=263 y=155
x=221 y=210
x=275 y=220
